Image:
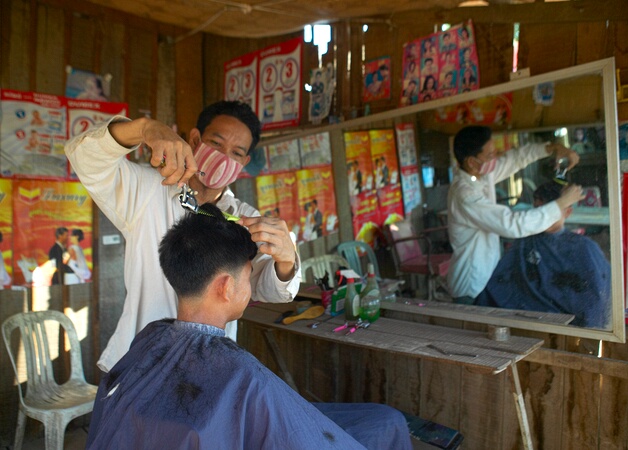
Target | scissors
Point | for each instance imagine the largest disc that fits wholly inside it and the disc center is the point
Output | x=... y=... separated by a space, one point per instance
x=188 y=201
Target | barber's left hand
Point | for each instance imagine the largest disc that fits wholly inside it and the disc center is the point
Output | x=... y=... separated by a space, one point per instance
x=560 y=152
x=274 y=235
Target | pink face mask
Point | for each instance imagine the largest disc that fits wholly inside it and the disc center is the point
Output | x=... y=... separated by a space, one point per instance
x=220 y=170
x=488 y=166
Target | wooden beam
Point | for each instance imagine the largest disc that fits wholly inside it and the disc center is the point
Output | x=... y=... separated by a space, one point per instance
x=580 y=362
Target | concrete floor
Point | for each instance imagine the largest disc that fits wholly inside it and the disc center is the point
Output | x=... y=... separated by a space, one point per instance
x=75 y=439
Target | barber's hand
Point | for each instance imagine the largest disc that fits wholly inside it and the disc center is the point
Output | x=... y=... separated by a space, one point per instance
x=560 y=152
x=171 y=155
x=571 y=194
x=275 y=238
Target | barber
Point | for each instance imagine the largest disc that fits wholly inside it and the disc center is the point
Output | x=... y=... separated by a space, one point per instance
x=475 y=220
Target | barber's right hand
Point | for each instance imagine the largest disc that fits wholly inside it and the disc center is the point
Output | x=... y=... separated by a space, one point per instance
x=571 y=194
x=171 y=155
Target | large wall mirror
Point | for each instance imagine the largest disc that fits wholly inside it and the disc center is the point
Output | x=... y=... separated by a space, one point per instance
x=582 y=114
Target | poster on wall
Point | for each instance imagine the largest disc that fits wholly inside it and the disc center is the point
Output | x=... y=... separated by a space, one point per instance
x=315 y=150
x=85 y=85
x=376 y=79
x=316 y=203
x=40 y=208
x=258 y=164
x=439 y=65
x=32 y=135
x=406 y=145
x=241 y=79
x=411 y=188
x=386 y=174
x=6 y=232
x=323 y=83
x=493 y=110
x=284 y=156
x=277 y=197
x=279 y=87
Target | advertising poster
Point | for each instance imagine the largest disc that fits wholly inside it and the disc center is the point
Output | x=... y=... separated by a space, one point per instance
x=323 y=84
x=495 y=110
x=284 y=156
x=241 y=79
x=406 y=146
x=390 y=204
x=411 y=188
x=317 y=203
x=277 y=197
x=386 y=173
x=315 y=150
x=279 y=95
x=439 y=65
x=6 y=228
x=376 y=79
x=32 y=135
x=40 y=207
x=84 y=85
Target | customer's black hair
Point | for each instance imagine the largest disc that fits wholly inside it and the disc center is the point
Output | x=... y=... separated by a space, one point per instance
x=469 y=142
x=239 y=110
x=548 y=192
x=199 y=247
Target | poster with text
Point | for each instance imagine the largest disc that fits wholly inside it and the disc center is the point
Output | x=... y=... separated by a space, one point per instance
x=241 y=79
x=6 y=228
x=277 y=197
x=390 y=204
x=386 y=174
x=439 y=65
x=315 y=150
x=284 y=156
x=376 y=79
x=316 y=203
x=411 y=188
x=279 y=95
x=496 y=110
x=40 y=207
x=406 y=146
x=32 y=135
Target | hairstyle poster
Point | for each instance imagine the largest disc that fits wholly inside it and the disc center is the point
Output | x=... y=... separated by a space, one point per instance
x=279 y=91
x=277 y=197
x=284 y=156
x=439 y=65
x=494 y=110
x=317 y=203
x=376 y=79
x=241 y=79
x=6 y=230
x=386 y=174
x=315 y=150
x=40 y=208
x=32 y=135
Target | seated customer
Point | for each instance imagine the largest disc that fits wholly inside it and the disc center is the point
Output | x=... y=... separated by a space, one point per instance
x=183 y=384
x=555 y=271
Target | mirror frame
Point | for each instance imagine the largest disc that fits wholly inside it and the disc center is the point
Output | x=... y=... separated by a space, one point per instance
x=605 y=68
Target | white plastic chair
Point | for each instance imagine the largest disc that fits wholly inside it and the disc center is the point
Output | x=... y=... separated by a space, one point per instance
x=53 y=404
x=321 y=264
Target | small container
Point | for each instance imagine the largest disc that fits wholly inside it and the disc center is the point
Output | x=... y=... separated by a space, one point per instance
x=498 y=333
x=326 y=297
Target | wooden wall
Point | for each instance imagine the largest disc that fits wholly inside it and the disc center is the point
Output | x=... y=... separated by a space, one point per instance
x=573 y=405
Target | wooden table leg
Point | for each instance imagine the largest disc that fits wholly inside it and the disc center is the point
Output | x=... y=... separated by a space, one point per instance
x=520 y=405
x=278 y=357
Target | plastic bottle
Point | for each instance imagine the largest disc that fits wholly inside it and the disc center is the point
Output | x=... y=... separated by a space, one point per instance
x=370 y=297
x=352 y=302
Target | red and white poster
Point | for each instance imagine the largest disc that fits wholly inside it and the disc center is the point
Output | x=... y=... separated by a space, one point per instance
x=241 y=79
x=439 y=65
x=32 y=135
x=40 y=208
x=280 y=86
x=495 y=110
x=277 y=197
x=6 y=228
x=317 y=203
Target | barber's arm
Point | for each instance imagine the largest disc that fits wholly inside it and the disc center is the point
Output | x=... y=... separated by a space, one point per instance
x=560 y=151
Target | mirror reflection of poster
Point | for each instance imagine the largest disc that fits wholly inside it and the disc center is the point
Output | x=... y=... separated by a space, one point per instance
x=284 y=156
x=317 y=203
x=277 y=197
x=6 y=232
x=386 y=174
x=315 y=150
x=32 y=135
x=42 y=209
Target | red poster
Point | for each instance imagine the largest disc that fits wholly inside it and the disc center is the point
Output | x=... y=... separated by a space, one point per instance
x=390 y=204
x=6 y=228
x=317 y=203
x=487 y=110
x=241 y=79
x=376 y=79
x=277 y=197
x=386 y=175
x=280 y=86
x=40 y=207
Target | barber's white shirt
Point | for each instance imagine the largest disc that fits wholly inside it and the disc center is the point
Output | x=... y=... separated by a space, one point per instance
x=132 y=197
x=476 y=222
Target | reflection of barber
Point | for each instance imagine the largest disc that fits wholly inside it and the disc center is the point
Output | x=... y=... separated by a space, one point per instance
x=556 y=271
x=476 y=221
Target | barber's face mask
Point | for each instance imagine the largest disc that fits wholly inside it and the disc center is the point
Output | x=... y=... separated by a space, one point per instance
x=487 y=167
x=219 y=170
